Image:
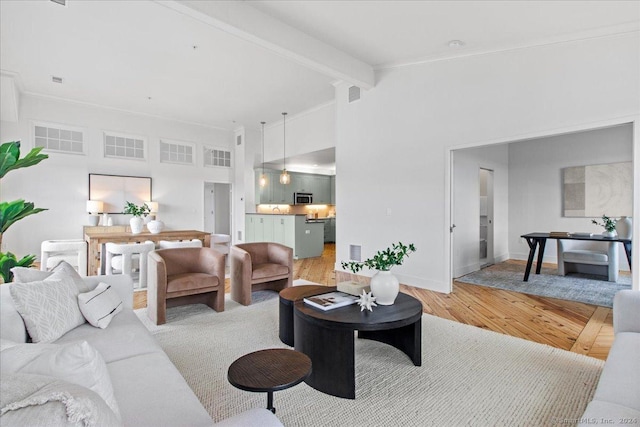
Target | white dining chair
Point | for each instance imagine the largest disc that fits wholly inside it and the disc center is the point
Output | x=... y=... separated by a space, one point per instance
x=52 y=252
x=129 y=258
x=221 y=243
x=170 y=244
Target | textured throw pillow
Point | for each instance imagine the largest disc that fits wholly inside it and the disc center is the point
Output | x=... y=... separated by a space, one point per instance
x=100 y=305
x=49 y=308
x=35 y=400
x=76 y=362
x=26 y=275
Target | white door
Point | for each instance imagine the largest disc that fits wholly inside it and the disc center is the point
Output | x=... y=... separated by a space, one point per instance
x=217 y=208
x=486 y=217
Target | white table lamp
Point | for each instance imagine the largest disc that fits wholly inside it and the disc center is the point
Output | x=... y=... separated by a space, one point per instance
x=153 y=210
x=94 y=207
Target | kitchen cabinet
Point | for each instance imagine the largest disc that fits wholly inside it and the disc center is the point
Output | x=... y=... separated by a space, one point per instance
x=321 y=189
x=275 y=193
x=306 y=239
x=330 y=230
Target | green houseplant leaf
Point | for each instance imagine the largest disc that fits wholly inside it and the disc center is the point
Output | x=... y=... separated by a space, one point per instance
x=10 y=212
x=13 y=211
x=9 y=260
x=10 y=157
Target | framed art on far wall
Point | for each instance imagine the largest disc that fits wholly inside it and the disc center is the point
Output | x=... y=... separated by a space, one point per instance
x=595 y=190
x=115 y=190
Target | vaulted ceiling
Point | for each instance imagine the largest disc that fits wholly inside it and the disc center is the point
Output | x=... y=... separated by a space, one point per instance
x=225 y=64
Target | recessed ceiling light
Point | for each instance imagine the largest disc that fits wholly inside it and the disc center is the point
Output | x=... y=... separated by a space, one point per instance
x=56 y=79
x=315 y=165
x=456 y=43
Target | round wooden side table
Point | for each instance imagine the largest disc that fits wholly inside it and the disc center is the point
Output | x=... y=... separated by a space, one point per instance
x=268 y=371
x=288 y=297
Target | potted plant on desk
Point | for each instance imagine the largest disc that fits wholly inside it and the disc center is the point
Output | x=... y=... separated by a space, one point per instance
x=137 y=223
x=384 y=285
x=609 y=226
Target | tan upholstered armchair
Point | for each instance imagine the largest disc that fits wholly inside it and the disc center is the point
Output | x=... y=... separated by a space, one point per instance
x=181 y=276
x=257 y=266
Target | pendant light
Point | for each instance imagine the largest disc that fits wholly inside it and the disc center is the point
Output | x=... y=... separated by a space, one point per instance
x=263 y=177
x=284 y=176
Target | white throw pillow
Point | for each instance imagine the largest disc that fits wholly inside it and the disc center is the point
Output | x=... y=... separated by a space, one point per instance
x=76 y=362
x=49 y=308
x=100 y=305
x=26 y=275
x=36 y=400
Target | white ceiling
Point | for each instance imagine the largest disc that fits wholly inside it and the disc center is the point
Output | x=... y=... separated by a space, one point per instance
x=120 y=53
x=387 y=33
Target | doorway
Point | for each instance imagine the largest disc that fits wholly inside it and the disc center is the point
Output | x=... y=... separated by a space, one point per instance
x=217 y=208
x=486 y=257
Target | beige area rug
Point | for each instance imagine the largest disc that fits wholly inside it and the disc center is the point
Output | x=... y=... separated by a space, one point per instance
x=469 y=376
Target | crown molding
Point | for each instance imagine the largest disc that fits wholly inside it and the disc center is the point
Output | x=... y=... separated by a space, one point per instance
x=602 y=32
x=123 y=110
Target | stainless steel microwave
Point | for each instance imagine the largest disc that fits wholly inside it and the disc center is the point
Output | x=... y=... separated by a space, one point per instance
x=302 y=198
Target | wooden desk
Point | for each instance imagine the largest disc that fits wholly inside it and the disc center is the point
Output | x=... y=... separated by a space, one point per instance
x=539 y=241
x=96 y=239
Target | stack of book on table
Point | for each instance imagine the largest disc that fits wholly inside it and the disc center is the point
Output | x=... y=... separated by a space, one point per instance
x=330 y=300
x=559 y=234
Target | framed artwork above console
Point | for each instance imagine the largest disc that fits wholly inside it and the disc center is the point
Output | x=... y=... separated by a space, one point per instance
x=115 y=190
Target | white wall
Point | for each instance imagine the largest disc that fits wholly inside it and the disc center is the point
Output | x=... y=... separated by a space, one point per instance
x=308 y=131
x=466 y=205
x=392 y=145
x=535 y=177
x=60 y=183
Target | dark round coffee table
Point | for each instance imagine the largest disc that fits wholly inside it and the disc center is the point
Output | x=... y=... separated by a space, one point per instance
x=268 y=371
x=288 y=296
x=327 y=337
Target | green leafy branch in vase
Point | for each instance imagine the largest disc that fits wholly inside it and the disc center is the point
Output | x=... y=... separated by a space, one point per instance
x=608 y=223
x=382 y=260
x=135 y=210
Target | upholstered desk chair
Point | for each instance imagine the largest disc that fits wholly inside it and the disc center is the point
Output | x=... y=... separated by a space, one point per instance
x=576 y=256
x=72 y=251
x=257 y=266
x=179 y=276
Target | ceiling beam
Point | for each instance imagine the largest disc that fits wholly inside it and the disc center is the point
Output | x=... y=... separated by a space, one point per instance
x=250 y=24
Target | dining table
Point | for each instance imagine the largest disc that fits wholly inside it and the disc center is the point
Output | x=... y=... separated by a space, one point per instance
x=98 y=237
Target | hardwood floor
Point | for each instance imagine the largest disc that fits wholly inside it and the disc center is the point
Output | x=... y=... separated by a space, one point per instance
x=572 y=326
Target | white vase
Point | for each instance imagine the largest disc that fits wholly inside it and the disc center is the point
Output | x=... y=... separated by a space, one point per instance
x=624 y=227
x=137 y=224
x=155 y=226
x=385 y=287
x=609 y=233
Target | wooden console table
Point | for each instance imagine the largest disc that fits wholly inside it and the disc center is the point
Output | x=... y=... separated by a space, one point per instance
x=96 y=239
x=539 y=241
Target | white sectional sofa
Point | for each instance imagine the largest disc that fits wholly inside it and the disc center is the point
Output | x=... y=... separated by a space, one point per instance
x=148 y=388
x=617 y=397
